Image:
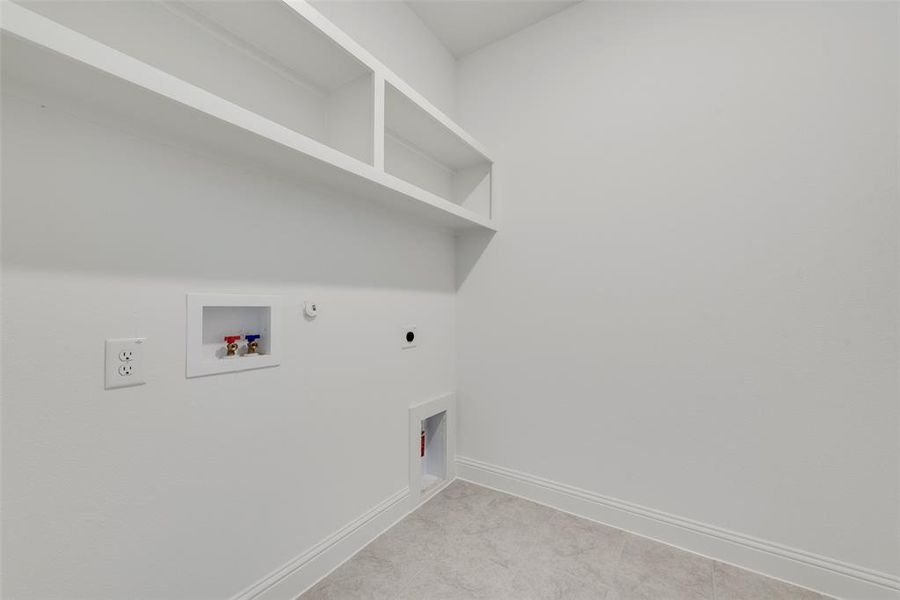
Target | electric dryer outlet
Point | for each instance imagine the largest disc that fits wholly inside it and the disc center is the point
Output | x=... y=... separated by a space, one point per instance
x=409 y=337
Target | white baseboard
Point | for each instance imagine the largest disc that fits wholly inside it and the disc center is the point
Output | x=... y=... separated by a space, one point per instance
x=304 y=571
x=826 y=575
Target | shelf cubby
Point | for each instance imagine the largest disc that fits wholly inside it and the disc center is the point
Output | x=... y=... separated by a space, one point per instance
x=423 y=150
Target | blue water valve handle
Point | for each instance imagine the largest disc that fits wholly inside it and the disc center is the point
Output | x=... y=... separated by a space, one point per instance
x=252 y=337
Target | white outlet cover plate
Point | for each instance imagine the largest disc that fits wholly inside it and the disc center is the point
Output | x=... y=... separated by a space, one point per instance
x=114 y=354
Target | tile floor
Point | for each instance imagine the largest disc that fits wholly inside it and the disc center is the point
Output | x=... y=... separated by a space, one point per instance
x=472 y=542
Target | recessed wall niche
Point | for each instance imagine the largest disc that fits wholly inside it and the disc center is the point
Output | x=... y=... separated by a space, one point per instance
x=231 y=332
x=432 y=438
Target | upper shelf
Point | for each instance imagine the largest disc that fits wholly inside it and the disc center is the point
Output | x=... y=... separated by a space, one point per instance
x=408 y=121
x=418 y=148
x=319 y=126
x=275 y=30
x=328 y=28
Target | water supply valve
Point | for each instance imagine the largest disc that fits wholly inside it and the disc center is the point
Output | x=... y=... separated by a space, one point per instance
x=252 y=343
x=231 y=345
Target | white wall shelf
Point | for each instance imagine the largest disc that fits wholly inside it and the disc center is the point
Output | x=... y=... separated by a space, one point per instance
x=423 y=150
x=324 y=124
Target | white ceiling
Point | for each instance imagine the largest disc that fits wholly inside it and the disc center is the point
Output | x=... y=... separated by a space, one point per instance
x=464 y=26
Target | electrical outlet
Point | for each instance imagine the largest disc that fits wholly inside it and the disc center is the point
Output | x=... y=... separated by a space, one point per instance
x=124 y=366
x=409 y=337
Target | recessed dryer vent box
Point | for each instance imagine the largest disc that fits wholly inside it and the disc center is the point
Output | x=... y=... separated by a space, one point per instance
x=432 y=435
x=212 y=317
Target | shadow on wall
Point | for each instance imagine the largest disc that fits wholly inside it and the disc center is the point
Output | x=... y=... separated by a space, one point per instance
x=469 y=248
x=82 y=195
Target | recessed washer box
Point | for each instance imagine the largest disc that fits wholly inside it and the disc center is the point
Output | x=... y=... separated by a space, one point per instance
x=211 y=317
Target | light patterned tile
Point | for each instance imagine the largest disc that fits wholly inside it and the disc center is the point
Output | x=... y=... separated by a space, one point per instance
x=543 y=581
x=651 y=570
x=366 y=576
x=461 y=576
x=473 y=543
x=733 y=583
x=582 y=548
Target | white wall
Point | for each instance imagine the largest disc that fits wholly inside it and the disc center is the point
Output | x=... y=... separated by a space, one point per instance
x=193 y=489
x=396 y=36
x=692 y=303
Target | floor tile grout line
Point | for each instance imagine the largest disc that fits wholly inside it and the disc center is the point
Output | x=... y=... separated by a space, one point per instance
x=618 y=564
x=714 y=576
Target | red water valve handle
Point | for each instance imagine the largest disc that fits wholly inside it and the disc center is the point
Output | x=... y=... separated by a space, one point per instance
x=230 y=339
